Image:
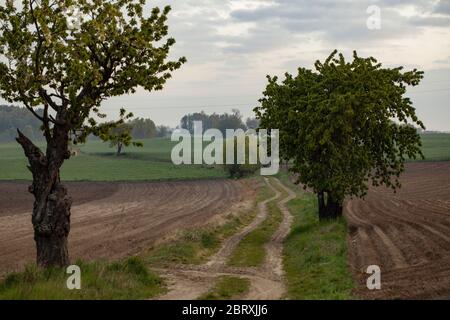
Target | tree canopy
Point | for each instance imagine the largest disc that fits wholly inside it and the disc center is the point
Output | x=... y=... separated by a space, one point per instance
x=71 y=70
x=344 y=125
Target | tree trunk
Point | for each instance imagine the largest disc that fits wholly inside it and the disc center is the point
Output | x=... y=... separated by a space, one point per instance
x=119 y=148
x=329 y=208
x=334 y=207
x=51 y=210
x=52 y=230
x=322 y=206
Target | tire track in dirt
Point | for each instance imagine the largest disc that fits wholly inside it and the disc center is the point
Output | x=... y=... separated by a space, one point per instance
x=407 y=234
x=119 y=219
x=266 y=282
x=219 y=260
x=274 y=248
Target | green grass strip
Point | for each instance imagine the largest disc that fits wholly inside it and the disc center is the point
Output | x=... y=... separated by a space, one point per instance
x=127 y=279
x=315 y=253
x=227 y=288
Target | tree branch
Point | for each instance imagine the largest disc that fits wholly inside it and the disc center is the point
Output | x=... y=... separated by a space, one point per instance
x=47 y=133
x=56 y=121
x=44 y=95
x=40 y=40
x=35 y=156
x=34 y=112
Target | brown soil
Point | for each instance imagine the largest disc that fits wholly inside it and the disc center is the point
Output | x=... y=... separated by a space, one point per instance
x=266 y=281
x=113 y=220
x=407 y=234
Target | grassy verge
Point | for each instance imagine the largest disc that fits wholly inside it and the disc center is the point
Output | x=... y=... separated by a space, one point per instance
x=228 y=288
x=315 y=253
x=250 y=252
x=128 y=279
x=196 y=245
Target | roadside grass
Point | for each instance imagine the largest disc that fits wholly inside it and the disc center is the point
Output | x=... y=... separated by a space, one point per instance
x=315 y=253
x=127 y=279
x=250 y=252
x=227 y=288
x=194 y=246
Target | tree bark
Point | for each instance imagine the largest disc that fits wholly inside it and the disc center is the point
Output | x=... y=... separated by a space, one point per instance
x=51 y=210
x=51 y=232
x=329 y=208
x=334 y=207
x=322 y=206
x=119 y=148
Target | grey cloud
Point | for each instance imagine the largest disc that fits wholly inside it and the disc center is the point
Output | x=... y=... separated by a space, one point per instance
x=337 y=22
x=443 y=7
x=433 y=21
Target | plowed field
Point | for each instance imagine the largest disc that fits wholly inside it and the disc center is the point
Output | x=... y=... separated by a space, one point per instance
x=407 y=234
x=112 y=220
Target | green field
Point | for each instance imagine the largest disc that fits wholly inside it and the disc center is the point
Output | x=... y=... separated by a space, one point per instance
x=98 y=162
x=436 y=146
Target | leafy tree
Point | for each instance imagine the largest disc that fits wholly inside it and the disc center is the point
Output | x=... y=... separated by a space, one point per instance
x=143 y=128
x=118 y=134
x=344 y=125
x=236 y=169
x=163 y=131
x=252 y=123
x=231 y=121
x=187 y=122
x=69 y=70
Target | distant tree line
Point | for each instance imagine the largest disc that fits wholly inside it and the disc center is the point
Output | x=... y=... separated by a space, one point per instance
x=233 y=120
x=145 y=128
x=13 y=118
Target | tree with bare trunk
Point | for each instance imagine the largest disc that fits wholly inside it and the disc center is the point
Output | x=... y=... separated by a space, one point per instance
x=344 y=125
x=118 y=134
x=67 y=57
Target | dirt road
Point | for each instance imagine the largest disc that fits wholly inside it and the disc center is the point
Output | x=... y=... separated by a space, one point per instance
x=407 y=234
x=266 y=282
x=113 y=220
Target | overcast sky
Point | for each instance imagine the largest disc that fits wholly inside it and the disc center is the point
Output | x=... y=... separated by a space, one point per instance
x=231 y=45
